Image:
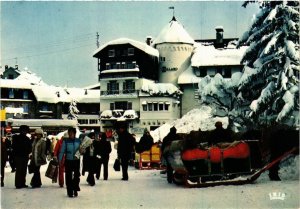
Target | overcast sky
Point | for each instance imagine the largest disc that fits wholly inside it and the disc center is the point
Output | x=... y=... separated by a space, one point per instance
x=56 y=40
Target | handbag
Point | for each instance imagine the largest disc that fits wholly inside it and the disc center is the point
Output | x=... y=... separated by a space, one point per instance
x=52 y=170
x=117 y=165
x=31 y=167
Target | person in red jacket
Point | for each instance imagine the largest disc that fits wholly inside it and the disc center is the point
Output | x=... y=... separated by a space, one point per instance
x=61 y=168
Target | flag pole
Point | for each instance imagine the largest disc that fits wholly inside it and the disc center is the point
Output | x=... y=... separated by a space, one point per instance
x=173 y=8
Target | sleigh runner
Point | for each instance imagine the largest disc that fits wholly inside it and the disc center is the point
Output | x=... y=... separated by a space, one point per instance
x=236 y=163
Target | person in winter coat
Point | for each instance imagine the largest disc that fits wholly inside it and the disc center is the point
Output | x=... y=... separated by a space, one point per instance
x=72 y=164
x=61 y=167
x=38 y=157
x=172 y=136
x=219 y=135
x=125 y=148
x=21 y=146
x=105 y=150
x=3 y=159
x=283 y=138
x=97 y=145
x=8 y=144
x=90 y=157
x=145 y=142
x=85 y=163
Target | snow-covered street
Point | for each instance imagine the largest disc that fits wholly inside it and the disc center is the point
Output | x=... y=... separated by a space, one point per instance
x=149 y=189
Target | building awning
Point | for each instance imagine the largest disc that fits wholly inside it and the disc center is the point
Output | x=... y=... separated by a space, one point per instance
x=119 y=115
x=106 y=114
x=144 y=103
x=161 y=102
x=167 y=103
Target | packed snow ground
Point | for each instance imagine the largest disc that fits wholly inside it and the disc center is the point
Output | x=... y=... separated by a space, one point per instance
x=149 y=189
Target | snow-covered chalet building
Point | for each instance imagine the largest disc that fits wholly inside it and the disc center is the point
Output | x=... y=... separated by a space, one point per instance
x=129 y=90
x=166 y=90
x=27 y=100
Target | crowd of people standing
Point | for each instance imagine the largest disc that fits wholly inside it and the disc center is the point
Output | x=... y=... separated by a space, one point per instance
x=30 y=152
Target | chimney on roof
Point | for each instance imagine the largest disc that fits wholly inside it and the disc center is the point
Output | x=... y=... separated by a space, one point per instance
x=219 y=43
x=16 y=67
x=6 y=67
x=148 y=40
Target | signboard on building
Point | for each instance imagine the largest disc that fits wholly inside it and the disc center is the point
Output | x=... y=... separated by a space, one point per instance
x=2 y=115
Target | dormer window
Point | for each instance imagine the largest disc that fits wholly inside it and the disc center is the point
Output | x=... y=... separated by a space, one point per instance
x=111 y=53
x=130 y=51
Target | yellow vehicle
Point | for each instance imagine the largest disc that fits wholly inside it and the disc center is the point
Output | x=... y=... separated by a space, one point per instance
x=150 y=159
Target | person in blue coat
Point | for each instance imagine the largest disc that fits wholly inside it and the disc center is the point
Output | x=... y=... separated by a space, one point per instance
x=72 y=164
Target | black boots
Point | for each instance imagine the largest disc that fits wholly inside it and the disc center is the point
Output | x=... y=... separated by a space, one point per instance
x=274 y=177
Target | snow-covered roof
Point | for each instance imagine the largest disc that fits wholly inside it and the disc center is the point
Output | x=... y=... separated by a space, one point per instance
x=25 y=80
x=188 y=77
x=140 y=45
x=97 y=85
x=53 y=94
x=30 y=77
x=208 y=55
x=15 y=84
x=219 y=27
x=160 y=89
x=173 y=32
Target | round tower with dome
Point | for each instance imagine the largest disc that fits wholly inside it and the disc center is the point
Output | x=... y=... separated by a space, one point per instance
x=175 y=48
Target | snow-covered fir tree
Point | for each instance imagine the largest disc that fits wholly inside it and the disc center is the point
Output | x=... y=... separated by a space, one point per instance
x=268 y=89
x=270 y=82
x=73 y=111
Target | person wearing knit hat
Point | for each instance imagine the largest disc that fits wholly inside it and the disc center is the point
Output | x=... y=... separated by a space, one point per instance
x=39 y=131
x=38 y=157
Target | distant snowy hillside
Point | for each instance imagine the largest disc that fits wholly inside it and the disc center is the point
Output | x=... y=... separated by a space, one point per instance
x=194 y=120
